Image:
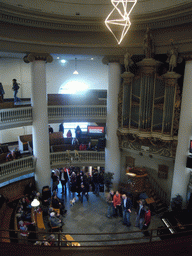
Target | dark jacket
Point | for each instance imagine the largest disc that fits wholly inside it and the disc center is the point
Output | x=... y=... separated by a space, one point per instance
x=128 y=204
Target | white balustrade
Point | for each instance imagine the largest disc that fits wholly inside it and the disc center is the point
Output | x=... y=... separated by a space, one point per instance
x=15 y=115
x=77 y=111
x=26 y=165
x=77 y=157
x=17 y=167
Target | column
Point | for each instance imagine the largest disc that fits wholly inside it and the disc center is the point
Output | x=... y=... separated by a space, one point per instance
x=181 y=173
x=40 y=133
x=112 y=152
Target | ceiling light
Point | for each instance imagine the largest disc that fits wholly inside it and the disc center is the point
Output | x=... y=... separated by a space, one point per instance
x=58 y=58
x=75 y=72
x=119 y=16
x=63 y=61
x=92 y=58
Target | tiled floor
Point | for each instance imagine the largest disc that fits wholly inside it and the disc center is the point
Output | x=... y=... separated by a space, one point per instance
x=90 y=217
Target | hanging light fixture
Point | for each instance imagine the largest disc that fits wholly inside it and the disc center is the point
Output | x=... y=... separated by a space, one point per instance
x=75 y=72
x=119 y=16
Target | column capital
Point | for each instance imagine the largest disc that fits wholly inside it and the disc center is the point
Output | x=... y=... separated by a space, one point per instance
x=186 y=56
x=38 y=56
x=113 y=58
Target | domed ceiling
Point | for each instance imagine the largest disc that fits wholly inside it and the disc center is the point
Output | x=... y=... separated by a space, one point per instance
x=91 y=8
x=71 y=26
x=94 y=10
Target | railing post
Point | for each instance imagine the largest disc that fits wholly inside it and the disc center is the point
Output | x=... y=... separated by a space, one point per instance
x=151 y=234
x=59 y=240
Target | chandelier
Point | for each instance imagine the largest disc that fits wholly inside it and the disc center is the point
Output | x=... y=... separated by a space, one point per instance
x=119 y=17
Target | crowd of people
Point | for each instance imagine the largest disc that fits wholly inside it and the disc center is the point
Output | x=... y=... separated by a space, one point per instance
x=121 y=205
x=50 y=205
x=80 y=181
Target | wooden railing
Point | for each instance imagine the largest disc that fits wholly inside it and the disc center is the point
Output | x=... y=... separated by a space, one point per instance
x=158 y=190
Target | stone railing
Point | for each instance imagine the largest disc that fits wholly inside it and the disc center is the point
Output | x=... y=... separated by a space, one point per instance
x=11 y=117
x=16 y=168
x=26 y=165
x=73 y=113
x=16 y=117
x=78 y=157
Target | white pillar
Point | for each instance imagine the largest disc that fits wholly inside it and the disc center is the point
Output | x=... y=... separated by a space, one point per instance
x=181 y=173
x=40 y=125
x=112 y=152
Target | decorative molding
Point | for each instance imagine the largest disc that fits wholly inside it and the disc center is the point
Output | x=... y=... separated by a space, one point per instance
x=113 y=58
x=186 y=56
x=156 y=146
x=38 y=56
x=165 y=18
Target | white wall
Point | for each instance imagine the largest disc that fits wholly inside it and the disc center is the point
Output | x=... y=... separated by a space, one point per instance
x=94 y=73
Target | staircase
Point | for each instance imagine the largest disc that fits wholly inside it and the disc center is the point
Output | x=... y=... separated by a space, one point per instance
x=160 y=205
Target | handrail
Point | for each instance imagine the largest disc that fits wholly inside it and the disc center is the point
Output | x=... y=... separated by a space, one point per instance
x=154 y=235
x=23 y=115
x=17 y=167
x=158 y=190
x=77 y=157
x=27 y=165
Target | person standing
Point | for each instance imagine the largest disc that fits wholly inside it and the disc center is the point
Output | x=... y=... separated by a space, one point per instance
x=126 y=206
x=117 y=204
x=15 y=88
x=96 y=182
x=110 y=208
x=85 y=187
x=61 y=128
x=78 y=132
x=55 y=181
x=2 y=92
x=63 y=176
x=140 y=214
x=147 y=220
x=69 y=134
x=50 y=129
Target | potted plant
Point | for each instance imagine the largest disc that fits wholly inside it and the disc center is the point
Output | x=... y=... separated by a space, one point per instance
x=176 y=203
x=108 y=176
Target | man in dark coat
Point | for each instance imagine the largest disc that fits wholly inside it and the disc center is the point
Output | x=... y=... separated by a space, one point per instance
x=126 y=206
x=63 y=176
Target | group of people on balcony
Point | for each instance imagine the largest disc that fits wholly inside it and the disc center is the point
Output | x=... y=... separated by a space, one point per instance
x=121 y=205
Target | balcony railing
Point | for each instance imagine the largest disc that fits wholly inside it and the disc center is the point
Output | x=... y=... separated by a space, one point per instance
x=78 y=157
x=26 y=165
x=97 y=240
x=23 y=116
x=77 y=112
x=15 y=117
x=17 y=168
